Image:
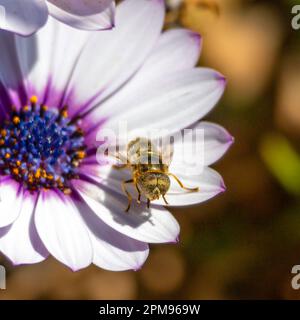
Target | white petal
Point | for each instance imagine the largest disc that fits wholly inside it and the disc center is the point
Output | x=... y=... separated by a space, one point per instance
x=62 y=230
x=10 y=73
x=112 y=250
x=155 y=225
x=81 y=7
x=217 y=141
x=21 y=243
x=176 y=50
x=89 y=20
x=187 y=95
x=116 y=54
x=48 y=58
x=23 y=18
x=213 y=142
x=10 y=201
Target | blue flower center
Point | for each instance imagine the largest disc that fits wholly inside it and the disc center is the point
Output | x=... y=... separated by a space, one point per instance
x=41 y=148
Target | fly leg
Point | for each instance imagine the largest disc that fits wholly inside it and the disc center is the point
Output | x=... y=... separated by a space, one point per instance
x=123 y=161
x=129 y=197
x=165 y=200
x=181 y=184
x=139 y=193
x=120 y=167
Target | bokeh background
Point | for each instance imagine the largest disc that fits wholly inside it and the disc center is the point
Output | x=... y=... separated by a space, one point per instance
x=244 y=243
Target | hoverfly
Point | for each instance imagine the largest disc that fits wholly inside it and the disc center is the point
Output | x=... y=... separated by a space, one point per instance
x=150 y=171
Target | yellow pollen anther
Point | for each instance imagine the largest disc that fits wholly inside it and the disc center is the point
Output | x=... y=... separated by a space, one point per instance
x=80 y=154
x=18 y=163
x=64 y=114
x=2 y=142
x=7 y=156
x=43 y=173
x=26 y=108
x=37 y=173
x=3 y=133
x=67 y=191
x=50 y=177
x=16 y=120
x=59 y=182
x=34 y=99
x=15 y=171
x=30 y=177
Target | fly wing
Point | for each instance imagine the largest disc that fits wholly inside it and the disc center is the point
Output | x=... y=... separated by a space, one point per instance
x=116 y=156
x=166 y=150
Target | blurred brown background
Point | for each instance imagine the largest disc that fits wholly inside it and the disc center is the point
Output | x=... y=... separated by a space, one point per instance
x=244 y=243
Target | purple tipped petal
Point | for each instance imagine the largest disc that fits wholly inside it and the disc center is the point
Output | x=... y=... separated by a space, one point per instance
x=92 y=16
x=82 y=7
x=223 y=187
x=217 y=141
x=222 y=79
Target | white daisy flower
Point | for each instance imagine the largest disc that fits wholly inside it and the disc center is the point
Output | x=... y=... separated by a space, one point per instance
x=62 y=87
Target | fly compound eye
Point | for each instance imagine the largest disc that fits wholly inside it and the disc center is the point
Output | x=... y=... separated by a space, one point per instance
x=163 y=183
x=148 y=182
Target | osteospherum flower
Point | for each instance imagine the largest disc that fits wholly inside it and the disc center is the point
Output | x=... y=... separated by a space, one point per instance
x=62 y=87
x=25 y=17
